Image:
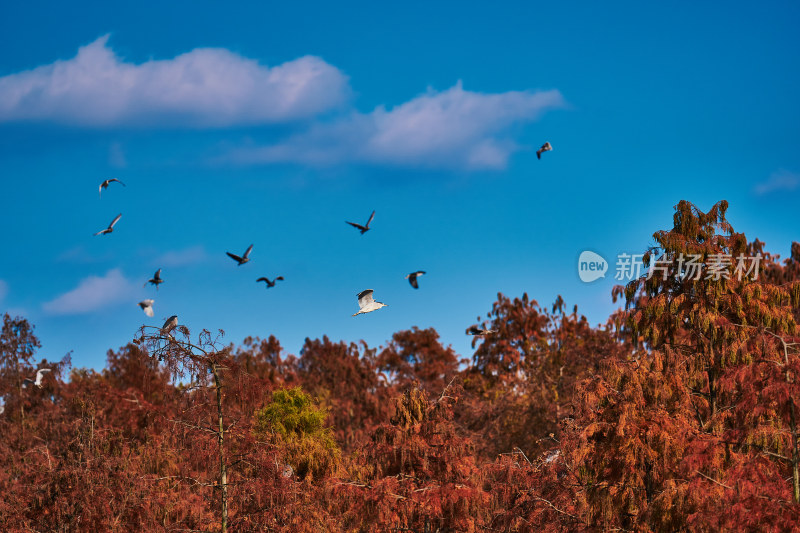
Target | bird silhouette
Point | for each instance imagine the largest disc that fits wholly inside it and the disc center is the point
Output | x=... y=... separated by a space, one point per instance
x=412 y=278
x=110 y=227
x=364 y=228
x=106 y=183
x=268 y=282
x=243 y=259
x=156 y=280
x=169 y=325
x=545 y=148
x=475 y=330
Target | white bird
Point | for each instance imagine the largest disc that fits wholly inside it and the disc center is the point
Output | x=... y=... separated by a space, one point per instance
x=169 y=325
x=365 y=228
x=475 y=330
x=147 y=306
x=241 y=260
x=268 y=282
x=39 y=376
x=2 y=406
x=546 y=147
x=552 y=456
x=156 y=279
x=412 y=278
x=110 y=227
x=106 y=183
x=366 y=303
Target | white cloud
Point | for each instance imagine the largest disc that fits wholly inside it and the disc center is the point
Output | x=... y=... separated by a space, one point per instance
x=93 y=293
x=449 y=129
x=207 y=87
x=782 y=180
x=177 y=258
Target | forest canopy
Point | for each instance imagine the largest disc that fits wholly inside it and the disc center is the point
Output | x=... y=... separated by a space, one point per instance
x=679 y=413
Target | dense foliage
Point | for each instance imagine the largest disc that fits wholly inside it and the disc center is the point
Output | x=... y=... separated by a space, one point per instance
x=679 y=414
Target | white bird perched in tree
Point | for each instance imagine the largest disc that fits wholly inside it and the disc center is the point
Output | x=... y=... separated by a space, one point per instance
x=106 y=183
x=110 y=227
x=475 y=330
x=39 y=376
x=546 y=147
x=551 y=456
x=412 y=278
x=241 y=260
x=147 y=306
x=156 y=279
x=268 y=282
x=169 y=325
x=365 y=228
x=286 y=471
x=366 y=303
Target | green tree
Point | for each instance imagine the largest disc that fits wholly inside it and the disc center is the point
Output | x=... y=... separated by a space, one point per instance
x=298 y=425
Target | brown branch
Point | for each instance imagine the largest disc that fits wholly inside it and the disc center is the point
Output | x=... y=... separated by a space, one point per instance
x=537 y=498
x=714 y=480
x=194 y=426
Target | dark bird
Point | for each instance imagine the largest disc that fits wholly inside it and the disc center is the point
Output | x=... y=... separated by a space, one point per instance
x=268 y=282
x=156 y=280
x=412 y=278
x=365 y=228
x=110 y=227
x=475 y=330
x=106 y=183
x=241 y=260
x=366 y=304
x=147 y=306
x=39 y=376
x=545 y=148
x=169 y=325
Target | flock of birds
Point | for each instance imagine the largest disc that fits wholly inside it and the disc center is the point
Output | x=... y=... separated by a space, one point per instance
x=366 y=302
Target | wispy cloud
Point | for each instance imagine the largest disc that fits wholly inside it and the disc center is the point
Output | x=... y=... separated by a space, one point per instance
x=781 y=180
x=177 y=258
x=206 y=87
x=448 y=129
x=93 y=293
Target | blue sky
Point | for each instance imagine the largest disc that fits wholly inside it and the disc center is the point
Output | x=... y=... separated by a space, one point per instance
x=272 y=124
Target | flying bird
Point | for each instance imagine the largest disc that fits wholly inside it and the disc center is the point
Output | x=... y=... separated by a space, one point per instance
x=475 y=330
x=147 y=306
x=366 y=303
x=156 y=280
x=241 y=260
x=412 y=278
x=106 y=183
x=268 y=282
x=169 y=325
x=545 y=148
x=110 y=227
x=365 y=228
x=39 y=376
